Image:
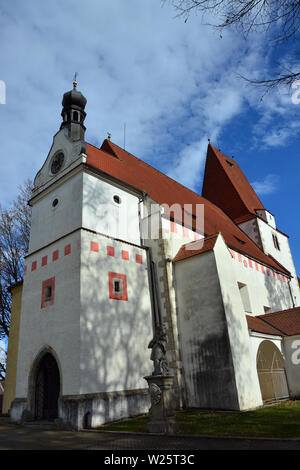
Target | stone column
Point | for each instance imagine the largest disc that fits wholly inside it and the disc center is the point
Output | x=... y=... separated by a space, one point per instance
x=161 y=413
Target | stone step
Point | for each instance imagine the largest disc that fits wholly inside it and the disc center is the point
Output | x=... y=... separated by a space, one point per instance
x=40 y=425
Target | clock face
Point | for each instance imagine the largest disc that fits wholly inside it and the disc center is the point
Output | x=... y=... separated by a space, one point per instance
x=57 y=163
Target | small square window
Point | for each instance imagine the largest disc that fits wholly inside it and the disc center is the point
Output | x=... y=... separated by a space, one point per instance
x=48 y=293
x=48 y=288
x=117 y=286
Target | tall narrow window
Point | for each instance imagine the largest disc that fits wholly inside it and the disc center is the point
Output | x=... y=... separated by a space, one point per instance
x=245 y=297
x=48 y=288
x=275 y=241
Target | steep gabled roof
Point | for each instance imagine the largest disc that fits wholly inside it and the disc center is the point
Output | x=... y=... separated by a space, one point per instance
x=225 y=185
x=118 y=163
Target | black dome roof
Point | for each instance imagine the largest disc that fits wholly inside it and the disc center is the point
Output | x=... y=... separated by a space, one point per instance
x=74 y=98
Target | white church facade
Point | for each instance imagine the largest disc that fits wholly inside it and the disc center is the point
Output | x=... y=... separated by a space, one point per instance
x=118 y=248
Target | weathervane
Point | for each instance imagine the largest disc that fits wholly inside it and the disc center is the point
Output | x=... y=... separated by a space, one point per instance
x=75 y=80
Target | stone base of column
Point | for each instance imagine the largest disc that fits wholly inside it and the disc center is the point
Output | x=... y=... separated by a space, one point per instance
x=161 y=414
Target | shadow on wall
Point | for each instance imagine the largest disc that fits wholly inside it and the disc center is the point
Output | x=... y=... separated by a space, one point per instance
x=279 y=296
x=114 y=335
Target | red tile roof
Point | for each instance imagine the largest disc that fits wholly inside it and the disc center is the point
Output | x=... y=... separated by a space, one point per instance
x=225 y=185
x=118 y=163
x=255 y=324
x=287 y=321
x=195 y=248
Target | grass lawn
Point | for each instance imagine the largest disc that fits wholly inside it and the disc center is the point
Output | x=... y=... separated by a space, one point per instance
x=280 y=420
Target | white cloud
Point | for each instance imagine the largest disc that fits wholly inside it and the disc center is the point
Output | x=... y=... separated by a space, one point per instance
x=268 y=186
x=173 y=84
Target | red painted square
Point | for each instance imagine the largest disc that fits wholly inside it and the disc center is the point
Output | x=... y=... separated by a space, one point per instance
x=173 y=227
x=245 y=263
x=139 y=259
x=67 y=249
x=110 y=251
x=46 y=285
x=25 y=269
x=268 y=271
x=250 y=264
x=44 y=260
x=283 y=278
x=95 y=246
x=125 y=255
x=55 y=255
x=33 y=265
x=232 y=254
x=256 y=266
x=240 y=257
x=262 y=269
x=122 y=295
x=278 y=276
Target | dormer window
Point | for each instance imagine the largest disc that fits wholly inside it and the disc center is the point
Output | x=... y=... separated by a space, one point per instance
x=239 y=240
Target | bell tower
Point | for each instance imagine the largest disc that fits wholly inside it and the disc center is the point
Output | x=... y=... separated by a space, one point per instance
x=73 y=113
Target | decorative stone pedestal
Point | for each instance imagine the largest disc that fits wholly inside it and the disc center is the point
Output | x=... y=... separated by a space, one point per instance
x=161 y=413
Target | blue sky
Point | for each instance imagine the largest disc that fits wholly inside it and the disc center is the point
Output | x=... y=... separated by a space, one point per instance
x=174 y=84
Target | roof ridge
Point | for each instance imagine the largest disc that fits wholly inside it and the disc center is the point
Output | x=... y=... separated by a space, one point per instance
x=278 y=312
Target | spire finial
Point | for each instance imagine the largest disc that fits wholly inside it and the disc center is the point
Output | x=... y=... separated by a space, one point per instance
x=108 y=135
x=75 y=80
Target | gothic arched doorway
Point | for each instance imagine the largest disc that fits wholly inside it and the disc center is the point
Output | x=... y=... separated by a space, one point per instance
x=47 y=388
x=271 y=372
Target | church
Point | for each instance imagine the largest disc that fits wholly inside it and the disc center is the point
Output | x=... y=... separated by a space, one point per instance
x=117 y=248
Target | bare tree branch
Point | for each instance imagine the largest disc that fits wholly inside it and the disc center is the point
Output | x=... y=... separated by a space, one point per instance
x=14 y=239
x=279 y=18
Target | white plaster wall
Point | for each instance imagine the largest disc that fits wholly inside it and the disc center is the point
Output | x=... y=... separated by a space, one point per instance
x=251 y=229
x=102 y=214
x=57 y=325
x=49 y=223
x=264 y=290
x=204 y=343
x=245 y=373
x=114 y=334
x=268 y=217
x=283 y=255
